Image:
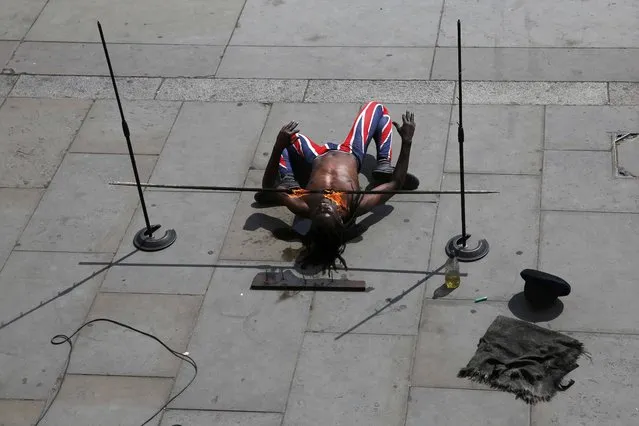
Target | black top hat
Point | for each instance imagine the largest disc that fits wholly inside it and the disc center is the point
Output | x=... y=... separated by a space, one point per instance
x=542 y=289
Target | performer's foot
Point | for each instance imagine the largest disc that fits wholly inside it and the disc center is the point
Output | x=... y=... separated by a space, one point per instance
x=270 y=198
x=383 y=173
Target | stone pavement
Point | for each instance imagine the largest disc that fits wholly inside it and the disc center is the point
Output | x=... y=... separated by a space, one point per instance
x=206 y=85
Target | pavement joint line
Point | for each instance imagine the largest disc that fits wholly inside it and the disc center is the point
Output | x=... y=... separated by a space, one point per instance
x=229 y=410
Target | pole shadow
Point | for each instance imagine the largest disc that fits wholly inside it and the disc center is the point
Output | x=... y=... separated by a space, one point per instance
x=520 y=308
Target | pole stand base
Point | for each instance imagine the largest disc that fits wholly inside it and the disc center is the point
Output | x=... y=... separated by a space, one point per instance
x=145 y=242
x=455 y=247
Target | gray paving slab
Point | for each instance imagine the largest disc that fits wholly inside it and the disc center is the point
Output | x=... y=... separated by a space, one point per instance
x=6 y=84
x=498 y=139
x=104 y=400
x=536 y=64
x=29 y=278
x=30 y=366
x=338 y=312
x=326 y=62
x=206 y=418
x=251 y=235
x=211 y=144
x=628 y=157
x=509 y=221
x=16 y=206
x=106 y=349
x=401 y=91
x=624 y=93
x=583 y=180
x=38 y=132
x=84 y=87
x=448 y=336
x=513 y=24
x=80 y=211
x=463 y=406
x=246 y=344
x=359 y=379
x=605 y=390
x=587 y=127
x=602 y=274
x=200 y=230
x=6 y=50
x=320 y=122
x=534 y=93
x=281 y=23
x=399 y=237
x=149 y=122
x=129 y=60
x=232 y=90
x=17 y=17
x=201 y=23
x=19 y=413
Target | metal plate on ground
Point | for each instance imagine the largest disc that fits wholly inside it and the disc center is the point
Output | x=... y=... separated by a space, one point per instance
x=286 y=280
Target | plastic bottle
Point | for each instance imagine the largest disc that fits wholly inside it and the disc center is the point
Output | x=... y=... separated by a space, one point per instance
x=452 y=278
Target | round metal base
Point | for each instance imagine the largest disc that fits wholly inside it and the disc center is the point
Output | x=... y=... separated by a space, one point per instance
x=150 y=243
x=454 y=247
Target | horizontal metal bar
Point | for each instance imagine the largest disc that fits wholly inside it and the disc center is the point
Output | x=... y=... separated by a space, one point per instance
x=289 y=191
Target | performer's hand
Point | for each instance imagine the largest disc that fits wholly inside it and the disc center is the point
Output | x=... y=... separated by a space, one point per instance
x=407 y=130
x=284 y=138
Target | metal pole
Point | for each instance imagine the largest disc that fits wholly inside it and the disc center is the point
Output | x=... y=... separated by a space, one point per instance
x=127 y=135
x=460 y=138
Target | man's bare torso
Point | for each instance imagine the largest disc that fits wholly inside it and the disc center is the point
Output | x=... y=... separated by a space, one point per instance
x=335 y=170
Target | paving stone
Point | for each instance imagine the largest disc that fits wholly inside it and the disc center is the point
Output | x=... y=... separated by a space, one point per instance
x=602 y=272
x=448 y=336
x=6 y=50
x=281 y=23
x=84 y=87
x=104 y=400
x=200 y=23
x=80 y=211
x=605 y=390
x=360 y=379
x=326 y=62
x=338 y=312
x=232 y=90
x=246 y=345
x=320 y=122
x=211 y=143
x=149 y=122
x=6 y=84
x=16 y=206
x=512 y=233
x=463 y=406
x=29 y=364
x=19 y=413
x=517 y=64
x=533 y=93
x=514 y=24
x=401 y=91
x=581 y=180
x=251 y=233
x=107 y=349
x=200 y=235
x=624 y=93
x=405 y=229
x=498 y=139
x=148 y=60
x=16 y=18
x=206 y=418
x=587 y=127
x=38 y=132
x=628 y=157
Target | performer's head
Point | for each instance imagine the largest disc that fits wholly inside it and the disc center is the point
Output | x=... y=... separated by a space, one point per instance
x=327 y=237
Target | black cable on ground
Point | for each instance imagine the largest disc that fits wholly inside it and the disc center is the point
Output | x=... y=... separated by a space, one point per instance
x=61 y=339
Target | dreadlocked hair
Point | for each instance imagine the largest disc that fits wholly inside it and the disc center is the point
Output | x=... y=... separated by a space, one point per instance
x=324 y=245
